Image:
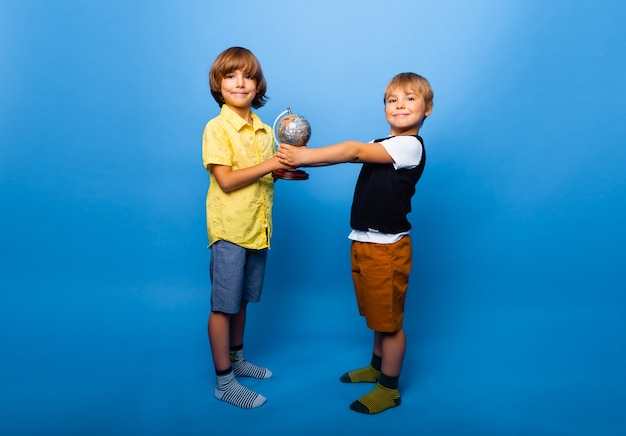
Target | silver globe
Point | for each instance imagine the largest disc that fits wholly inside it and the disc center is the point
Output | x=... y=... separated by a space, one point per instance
x=292 y=129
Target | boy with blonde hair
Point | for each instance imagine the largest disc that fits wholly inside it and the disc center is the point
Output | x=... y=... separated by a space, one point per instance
x=381 y=251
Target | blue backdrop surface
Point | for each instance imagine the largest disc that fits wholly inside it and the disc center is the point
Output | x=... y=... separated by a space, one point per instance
x=515 y=309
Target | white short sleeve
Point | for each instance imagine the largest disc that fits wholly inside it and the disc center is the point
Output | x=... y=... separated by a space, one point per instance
x=406 y=151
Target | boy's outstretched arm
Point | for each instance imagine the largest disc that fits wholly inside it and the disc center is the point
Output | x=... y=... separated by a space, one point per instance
x=230 y=180
x=347 y=151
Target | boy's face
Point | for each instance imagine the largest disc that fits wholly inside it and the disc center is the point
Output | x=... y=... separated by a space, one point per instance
x=405 y=111
x=238 y=89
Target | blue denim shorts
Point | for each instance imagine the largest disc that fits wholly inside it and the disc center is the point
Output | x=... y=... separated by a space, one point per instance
x=236 y=274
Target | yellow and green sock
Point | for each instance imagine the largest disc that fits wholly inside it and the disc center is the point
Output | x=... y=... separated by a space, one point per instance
x=384 y=396
x=368 y=374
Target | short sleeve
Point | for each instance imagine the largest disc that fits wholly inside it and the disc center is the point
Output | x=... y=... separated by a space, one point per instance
x=406 y=151
x=216 y=145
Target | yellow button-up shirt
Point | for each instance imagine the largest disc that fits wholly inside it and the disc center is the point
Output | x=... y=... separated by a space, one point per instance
x=243 y=216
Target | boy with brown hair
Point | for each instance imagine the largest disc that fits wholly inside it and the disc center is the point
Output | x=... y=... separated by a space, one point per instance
x=238 y=152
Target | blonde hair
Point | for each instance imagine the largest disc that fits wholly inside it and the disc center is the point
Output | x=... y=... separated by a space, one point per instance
x=232 y=59
x=414 y=82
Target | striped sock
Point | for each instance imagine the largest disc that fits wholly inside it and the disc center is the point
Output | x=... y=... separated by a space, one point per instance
x=378 y=400
x=243 y=368
x=230 y=390
x=369 y=374
x=384 y=396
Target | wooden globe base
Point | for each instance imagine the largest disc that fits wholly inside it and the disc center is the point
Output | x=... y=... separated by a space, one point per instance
x=290 y=174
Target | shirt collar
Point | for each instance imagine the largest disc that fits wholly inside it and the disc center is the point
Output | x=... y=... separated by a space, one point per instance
x=237 y=122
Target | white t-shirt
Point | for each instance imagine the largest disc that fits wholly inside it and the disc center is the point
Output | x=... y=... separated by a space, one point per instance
x=406 y=152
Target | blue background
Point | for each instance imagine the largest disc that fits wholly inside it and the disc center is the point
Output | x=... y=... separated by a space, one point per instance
x=516 y=304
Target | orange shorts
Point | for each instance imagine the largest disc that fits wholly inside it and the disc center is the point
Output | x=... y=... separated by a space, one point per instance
x=380 y=273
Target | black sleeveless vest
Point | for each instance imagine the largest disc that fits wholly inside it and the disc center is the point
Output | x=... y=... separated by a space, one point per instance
x=382 y=196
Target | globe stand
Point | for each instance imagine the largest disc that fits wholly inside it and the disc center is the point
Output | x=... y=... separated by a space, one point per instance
x=290 y=174
x=295 y=130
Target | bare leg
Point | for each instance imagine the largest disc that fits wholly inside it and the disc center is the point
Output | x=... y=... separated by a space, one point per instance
x=392 y=348
x=224 y=330
x=240 y=365
x=219 y=338
x=238 y=325
x=227 y=387
x=378 y=343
